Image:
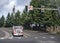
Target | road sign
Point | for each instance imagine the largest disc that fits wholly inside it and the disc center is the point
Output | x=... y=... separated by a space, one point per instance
x=30 y=7
x=59 y=9
x=42 y=9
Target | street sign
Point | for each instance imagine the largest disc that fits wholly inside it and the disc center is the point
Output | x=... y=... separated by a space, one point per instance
x=30 y=7
x=42 y=9
x=59 y=9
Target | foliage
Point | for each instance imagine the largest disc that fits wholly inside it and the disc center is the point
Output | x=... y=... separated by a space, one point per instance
x=8 y=20
x=50 y=18
x=2 y=21
x=17 y=18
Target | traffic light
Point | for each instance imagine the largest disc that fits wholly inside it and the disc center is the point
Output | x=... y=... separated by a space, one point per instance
x=42 y=9
x=26 y=8
x=30 y=8
x=14 y=9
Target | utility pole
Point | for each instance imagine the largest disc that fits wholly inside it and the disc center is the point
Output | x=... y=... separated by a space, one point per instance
x=14 y=10
x=28 y=8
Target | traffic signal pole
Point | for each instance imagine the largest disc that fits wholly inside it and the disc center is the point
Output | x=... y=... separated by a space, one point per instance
x=28 y=8
x=47 y=8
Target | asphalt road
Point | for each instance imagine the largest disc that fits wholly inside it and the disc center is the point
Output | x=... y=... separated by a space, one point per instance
x=2 y=34
x=26 y=40
x=43 y=37
x=17 y=41
x=31 y=37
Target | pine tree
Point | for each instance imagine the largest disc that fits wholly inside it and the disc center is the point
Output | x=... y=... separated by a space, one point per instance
x=12 y=19
x=17 y=18
x=2 y=21
x=8 y=20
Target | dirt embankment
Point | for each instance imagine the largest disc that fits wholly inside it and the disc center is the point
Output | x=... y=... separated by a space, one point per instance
x=53 y=29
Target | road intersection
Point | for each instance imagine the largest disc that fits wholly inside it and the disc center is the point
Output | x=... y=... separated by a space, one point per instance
x=39 y=37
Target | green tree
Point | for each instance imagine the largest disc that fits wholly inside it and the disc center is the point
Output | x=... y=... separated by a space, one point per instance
x=48 y=16
x=17 y=18
x=8 y=20
x=2 y=21
x=12 y=19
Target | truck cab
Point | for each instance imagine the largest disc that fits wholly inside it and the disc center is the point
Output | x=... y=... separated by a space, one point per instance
x=17 y=31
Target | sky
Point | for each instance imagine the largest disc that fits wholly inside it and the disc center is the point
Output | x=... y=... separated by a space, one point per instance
x=7 y=5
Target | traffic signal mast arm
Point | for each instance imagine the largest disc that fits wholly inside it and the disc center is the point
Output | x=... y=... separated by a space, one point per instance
x=46 y=8
x=42 y=8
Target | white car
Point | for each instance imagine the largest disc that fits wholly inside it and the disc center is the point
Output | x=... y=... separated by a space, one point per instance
x=17 y=31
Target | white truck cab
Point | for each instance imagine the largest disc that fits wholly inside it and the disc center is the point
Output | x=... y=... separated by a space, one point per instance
x=17 y=31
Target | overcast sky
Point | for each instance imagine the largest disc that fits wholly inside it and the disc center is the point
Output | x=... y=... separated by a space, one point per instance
x=7 y=5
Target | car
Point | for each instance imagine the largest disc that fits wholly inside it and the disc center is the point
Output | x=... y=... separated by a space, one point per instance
x=17 y=31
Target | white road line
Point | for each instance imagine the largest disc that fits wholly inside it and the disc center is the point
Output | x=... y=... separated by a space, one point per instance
x=2 y=38
x=52 y=37
x=19 y=37
x=47 y=41
x=10 y=37
x=43 y=42
x=26 y=35
x=6 y=34
x=36 y=37
x=43 y=37
x=52 y=42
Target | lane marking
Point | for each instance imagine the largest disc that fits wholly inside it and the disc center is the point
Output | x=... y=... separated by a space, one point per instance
x=43 y=37
x=16 y=37
x=10 y=37
x=52 y=37
x=36 y=37
x=27 y=34
x=6 y=34
x=43 y=42
x=47 y=41
x=19 y=37
x=2 y=38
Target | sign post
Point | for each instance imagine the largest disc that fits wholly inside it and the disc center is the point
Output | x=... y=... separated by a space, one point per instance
x=30 y=7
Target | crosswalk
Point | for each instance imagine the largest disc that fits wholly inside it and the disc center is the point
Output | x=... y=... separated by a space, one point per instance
x=11 y=38
x=45 y=37
x=47 y=42
x=40 y=41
